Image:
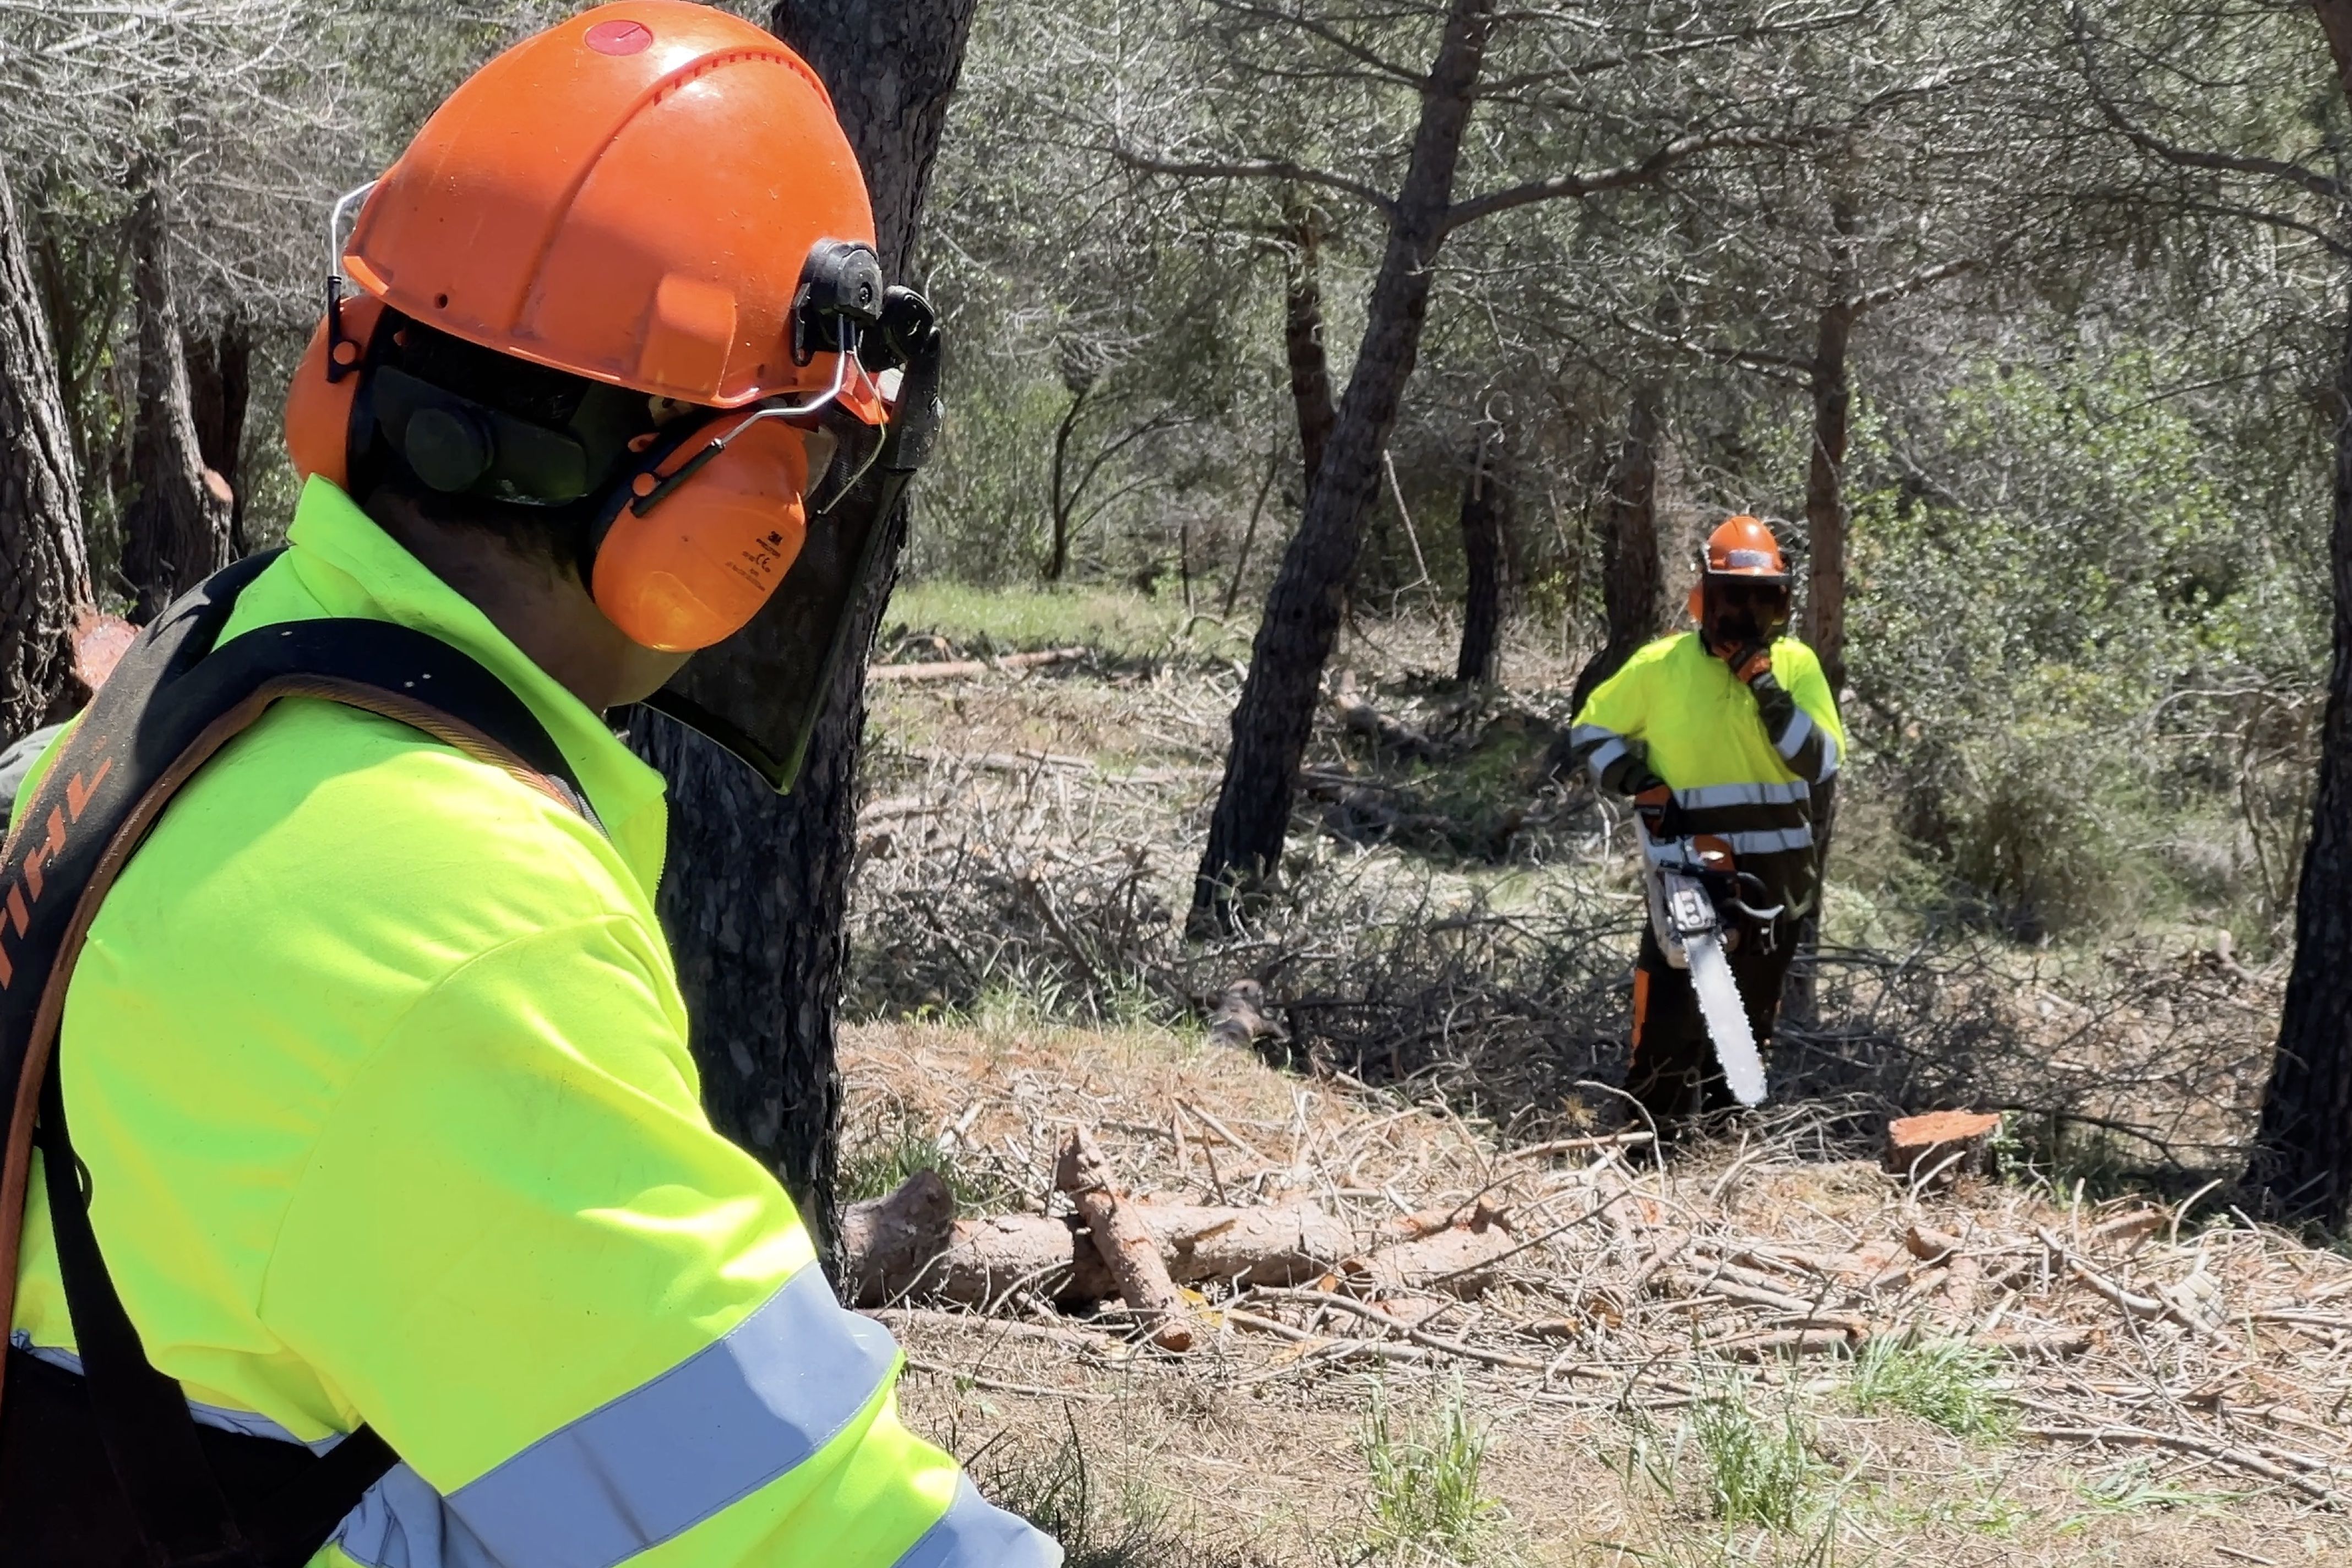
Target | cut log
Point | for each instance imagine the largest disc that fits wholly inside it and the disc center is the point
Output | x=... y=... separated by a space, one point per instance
x=1240 y=1015
x=985 y=1260
x=1462 y=1261
x=1125 y=1243
x=887 y=1242
x=1939 y=1145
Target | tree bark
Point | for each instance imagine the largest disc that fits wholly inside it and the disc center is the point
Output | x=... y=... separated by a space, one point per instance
x=1825 y=473
x=1062 y=502
x=44 y=568
x=1486 y=498
x=756 y=884
x=1632 y=587
x=2302 y=1161
x=1302 y=348
x=175 y=530
x=1276 y=711
x=220 y=388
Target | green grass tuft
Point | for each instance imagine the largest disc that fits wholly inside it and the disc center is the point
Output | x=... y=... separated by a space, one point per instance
x=1426 y=1501
x=1760 y=1470
x=1950 y=1382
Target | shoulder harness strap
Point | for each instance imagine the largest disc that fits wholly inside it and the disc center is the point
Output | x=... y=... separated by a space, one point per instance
x=170 y=705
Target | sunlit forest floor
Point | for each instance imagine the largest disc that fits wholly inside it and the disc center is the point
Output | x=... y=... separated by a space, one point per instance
x=1652 y=1428
x=1447 y=966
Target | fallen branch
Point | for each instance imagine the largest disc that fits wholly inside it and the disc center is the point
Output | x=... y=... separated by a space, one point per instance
x=1125 y=1243
x=967 y=669
x=2182 y=1443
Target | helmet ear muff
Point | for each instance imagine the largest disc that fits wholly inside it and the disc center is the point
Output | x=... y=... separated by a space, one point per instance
x=696 y=535
x=323 y=421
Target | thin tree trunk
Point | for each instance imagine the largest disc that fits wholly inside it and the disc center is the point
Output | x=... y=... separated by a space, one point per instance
x=1302 y=347
x=1824 y=484
x=1633 y=590
x=1276 y=711
x=44 y=571
x=220 y=388
x=175 y=532
x=756 y=884
x=1062 y=503
x=1487 y=502
x=2302 y=1159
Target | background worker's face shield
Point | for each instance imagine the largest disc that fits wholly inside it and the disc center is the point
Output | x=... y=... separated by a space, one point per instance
x=1736 y=612
x=759 y=693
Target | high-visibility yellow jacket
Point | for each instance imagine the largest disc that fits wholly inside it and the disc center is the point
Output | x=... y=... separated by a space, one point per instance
x=379 y=1066
x=1675 y=714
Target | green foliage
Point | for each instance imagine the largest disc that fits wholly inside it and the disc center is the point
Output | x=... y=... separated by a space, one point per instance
x=1950 y=1382
x=2078 y=651
x=1426 y=1500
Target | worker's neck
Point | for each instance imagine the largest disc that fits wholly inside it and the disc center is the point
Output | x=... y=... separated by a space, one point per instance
x=538 y=601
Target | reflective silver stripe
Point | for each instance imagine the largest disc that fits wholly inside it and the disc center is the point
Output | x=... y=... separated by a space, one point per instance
x=653 y=1463
x=1794 y=735
x=972 y=1534
x=1589 y=734
x=1706 y=796
x=1770 y=841
x=1830 y=751
x=219 y=1417
x=1605 y=758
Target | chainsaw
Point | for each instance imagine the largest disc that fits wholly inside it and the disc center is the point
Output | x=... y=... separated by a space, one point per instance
x=1700 y=908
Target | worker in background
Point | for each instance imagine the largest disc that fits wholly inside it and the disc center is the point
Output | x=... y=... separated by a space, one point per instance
x=1722 y=731
x=375 y=1060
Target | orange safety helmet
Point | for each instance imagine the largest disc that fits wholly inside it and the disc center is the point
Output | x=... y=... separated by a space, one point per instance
x=657 y=196
x=1740 y=547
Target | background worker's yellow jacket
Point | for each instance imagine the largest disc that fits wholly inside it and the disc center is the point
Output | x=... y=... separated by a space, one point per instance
x=1676 y=713
x=379 y=1066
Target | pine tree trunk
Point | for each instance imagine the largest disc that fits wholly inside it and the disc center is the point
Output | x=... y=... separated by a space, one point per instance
x=2302 y=1161
x=1302 y=348
x=1487 y=500
x=1276 y=711
x=175 y=532
x=1633 y=590
x=1825 y=495
x=220 y=388
x=44 y=569
x=757 y=884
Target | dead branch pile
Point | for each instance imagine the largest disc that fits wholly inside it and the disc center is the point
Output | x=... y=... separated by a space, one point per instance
x=1357 y=1231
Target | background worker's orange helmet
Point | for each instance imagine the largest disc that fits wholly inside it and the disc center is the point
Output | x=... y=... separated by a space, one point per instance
x=630 y=196
x=1741 y=548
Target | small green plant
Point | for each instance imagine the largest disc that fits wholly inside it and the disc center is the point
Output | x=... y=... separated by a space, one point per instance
x=1127 y=1526
x=1760 y=1470
x=1950 y=1382
x=878 y=1164
x=1426 y=1500
x=2134 y=1487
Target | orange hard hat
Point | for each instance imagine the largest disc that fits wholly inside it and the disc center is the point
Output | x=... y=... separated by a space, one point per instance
x=631 y=197
x=1741 y=546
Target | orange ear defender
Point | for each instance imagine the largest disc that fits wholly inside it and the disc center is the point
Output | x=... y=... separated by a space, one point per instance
x=322 y=400
x=692 y=544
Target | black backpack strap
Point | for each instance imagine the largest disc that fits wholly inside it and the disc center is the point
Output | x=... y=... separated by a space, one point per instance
x=171 y=704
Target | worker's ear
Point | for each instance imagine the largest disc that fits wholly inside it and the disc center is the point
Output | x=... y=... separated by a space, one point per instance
x=1696 y=603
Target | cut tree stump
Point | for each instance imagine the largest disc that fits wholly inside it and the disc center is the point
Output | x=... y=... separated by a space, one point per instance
x=888 y=1243
x=1125 y=1243
x=1240 y=1015
x=1939 y=1146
